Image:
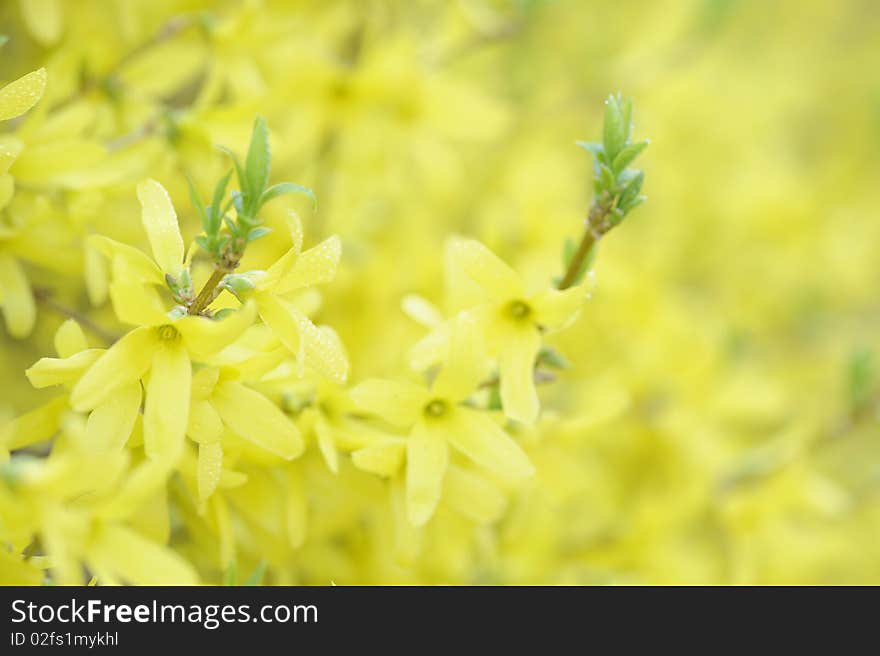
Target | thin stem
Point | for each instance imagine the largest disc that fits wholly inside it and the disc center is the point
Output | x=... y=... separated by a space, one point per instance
x=207 y=294
x=44 y=297
x=574 y=267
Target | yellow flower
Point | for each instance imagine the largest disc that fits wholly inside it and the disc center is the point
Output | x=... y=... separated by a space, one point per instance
x=513 y=321
x=218 y=404
x=83 y=507
x=436 y=418
x=161 y=349
x=293 y=272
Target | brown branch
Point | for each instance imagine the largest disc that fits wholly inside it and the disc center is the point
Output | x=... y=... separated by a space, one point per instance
x=45 y=298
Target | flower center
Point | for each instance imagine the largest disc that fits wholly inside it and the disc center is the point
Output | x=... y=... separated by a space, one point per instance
x=519 y=310
x=168 y=333
x=436 y=408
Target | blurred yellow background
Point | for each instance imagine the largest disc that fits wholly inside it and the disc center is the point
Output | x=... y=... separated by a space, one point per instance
x=719 y=422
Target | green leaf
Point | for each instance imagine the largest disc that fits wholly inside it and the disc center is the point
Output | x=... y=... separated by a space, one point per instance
x=597 y=150
x=552 y=358
x=287 y=188
x=239 y=171
x=632 y=189
x=3 y=40
x=257 y=164
x=238 y=201
x=256 y=233
x=256 y=577
x=196 y=200
x=217 y=212
x=606 y=177
x=627 y=108
x=615 y=132
x=204 y=244
x=632 y=204
x=627 y=155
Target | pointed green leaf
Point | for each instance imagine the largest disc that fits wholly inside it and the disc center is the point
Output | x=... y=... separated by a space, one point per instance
x=614 y=132
x=627 y=155
x=606 y=177
x=597 y=150
x=196 y=200
x=256 y=233
x=239 y=171
x=632 y=189
x=217 y=212
x=257 y=163
x=288 y=188
x=552 y=358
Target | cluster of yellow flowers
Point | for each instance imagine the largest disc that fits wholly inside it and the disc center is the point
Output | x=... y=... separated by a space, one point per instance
x=347 y=382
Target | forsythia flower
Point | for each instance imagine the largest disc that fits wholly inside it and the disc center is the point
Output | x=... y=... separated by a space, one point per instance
x=511 y=322
x=436 y=418
x=163 y=346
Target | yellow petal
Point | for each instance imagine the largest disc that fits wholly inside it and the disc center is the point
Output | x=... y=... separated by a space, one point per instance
x=255 y=418
x=427 y=457
x=465 y=365
x=58 y=163
x=96 y=273
x=555 y=310
x=36 y=425
x=136 y=560
x=205 y=426
x=137 y=264
x=47 y=372
x=110 y=424
x=282 y=265
x=397 y=402
x=314 y=347
x=327 y=444
x=384 y=458
x=517 y=363
x=122 y=364
x=486 y=269
x=70 y=339
x=43 y=19
x=486 y=443
x=10 y=148
x=166 y=410
x=160 y=223
x=140 y=485
x=421 y=310
x=472 y=495
x=203 y=382
x=431 y=349
x=137 y=304
x=210 y=466
x=315 y=266
x=205 y=337
x=19 y=96
x=16 y=298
